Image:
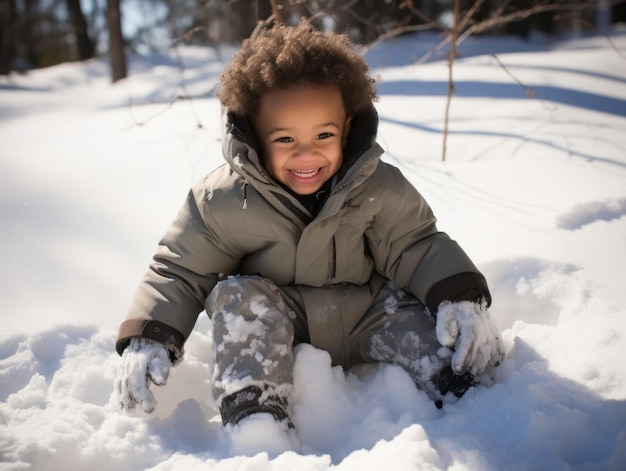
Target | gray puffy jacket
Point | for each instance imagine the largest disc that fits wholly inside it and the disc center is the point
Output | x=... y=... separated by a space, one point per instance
x=238 y=220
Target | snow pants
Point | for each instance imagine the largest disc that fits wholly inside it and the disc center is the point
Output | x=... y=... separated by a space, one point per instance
x=256 y=325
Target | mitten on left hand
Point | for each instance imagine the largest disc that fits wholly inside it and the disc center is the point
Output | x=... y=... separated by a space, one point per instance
x=143 y=362
x=469 y=329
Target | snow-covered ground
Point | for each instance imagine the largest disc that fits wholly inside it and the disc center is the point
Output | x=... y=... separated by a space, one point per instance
x=534 y=188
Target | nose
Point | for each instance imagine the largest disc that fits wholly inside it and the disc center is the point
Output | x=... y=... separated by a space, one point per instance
x=304 y=151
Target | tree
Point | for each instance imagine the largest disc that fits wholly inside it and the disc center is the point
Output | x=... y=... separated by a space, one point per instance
x=116 y=41
x=28 y=30
x=84 y=44
x=8 y=16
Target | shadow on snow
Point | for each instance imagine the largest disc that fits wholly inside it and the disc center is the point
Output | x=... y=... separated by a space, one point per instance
x=477 y=89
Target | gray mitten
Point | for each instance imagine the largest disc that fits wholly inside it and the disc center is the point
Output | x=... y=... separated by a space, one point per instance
x=470 y=330
x=143 y=361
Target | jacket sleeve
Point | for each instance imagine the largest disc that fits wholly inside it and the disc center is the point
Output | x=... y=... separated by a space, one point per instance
x=409 y=250
x=190 y=258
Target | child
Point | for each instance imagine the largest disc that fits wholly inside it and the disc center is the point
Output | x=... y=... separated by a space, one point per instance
x=305 y=235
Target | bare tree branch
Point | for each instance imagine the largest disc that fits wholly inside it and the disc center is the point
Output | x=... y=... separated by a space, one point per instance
x=392 y=34
x=278 y=16
x=523 y=14
x=453 y=34
x=530 y=92
x=189 y=34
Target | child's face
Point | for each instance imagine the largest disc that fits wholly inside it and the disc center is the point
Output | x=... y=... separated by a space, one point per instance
x=302 y=130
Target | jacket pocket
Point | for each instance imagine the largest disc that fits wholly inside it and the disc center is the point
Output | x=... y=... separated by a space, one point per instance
x=351 y=262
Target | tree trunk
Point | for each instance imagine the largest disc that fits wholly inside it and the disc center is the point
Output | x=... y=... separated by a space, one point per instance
x=116 y=41
x=8 y=17
x=30 y=32
x=276 y=11
x=84 y=43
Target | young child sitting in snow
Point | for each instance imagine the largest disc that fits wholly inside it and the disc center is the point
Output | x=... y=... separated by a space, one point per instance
x=305 y=235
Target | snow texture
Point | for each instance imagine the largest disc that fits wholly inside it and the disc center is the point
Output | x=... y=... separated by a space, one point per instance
x=532 y=188
x=260 y=433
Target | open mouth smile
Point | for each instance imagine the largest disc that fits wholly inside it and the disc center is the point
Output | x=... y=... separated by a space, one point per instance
x=305 y=173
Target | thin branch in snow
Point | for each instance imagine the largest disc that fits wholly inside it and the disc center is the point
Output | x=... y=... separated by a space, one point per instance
x=530 y=92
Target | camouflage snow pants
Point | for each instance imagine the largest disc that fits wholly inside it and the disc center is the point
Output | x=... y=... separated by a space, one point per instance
x=256 y=324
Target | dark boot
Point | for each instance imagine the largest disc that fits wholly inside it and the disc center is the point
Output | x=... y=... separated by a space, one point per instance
x=448 y=381
x=241 y=404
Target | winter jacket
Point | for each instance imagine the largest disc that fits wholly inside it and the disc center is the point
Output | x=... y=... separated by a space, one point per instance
x=238 y=220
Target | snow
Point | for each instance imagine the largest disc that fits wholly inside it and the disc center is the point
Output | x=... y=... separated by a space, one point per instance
x=534 y=188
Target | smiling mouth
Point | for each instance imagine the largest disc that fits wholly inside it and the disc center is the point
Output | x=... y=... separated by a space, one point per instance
x=305 y=173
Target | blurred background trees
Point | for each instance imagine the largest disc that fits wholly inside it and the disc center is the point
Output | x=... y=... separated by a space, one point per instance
x=40 y=33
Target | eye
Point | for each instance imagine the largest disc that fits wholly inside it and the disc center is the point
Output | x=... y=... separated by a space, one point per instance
x=284 y=140
x=325 y=135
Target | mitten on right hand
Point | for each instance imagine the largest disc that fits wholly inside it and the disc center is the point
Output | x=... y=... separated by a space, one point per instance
x=469 y=329
x=143 y=361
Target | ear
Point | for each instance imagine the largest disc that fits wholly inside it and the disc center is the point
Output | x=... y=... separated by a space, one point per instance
x=346 y=131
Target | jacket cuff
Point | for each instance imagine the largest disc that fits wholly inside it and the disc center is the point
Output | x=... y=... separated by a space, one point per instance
x=153 y=330
x=466 y=286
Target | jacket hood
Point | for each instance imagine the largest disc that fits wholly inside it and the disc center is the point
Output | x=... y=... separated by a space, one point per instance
x=241 y=150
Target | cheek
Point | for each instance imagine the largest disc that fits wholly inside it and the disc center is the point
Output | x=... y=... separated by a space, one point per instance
x=338 y=158
x=273 y=162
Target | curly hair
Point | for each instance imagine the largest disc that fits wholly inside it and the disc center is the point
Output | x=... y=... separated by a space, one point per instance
x=285 y=55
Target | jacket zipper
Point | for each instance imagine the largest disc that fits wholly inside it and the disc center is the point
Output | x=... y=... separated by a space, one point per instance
x=333 y=272
x=292 y=207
